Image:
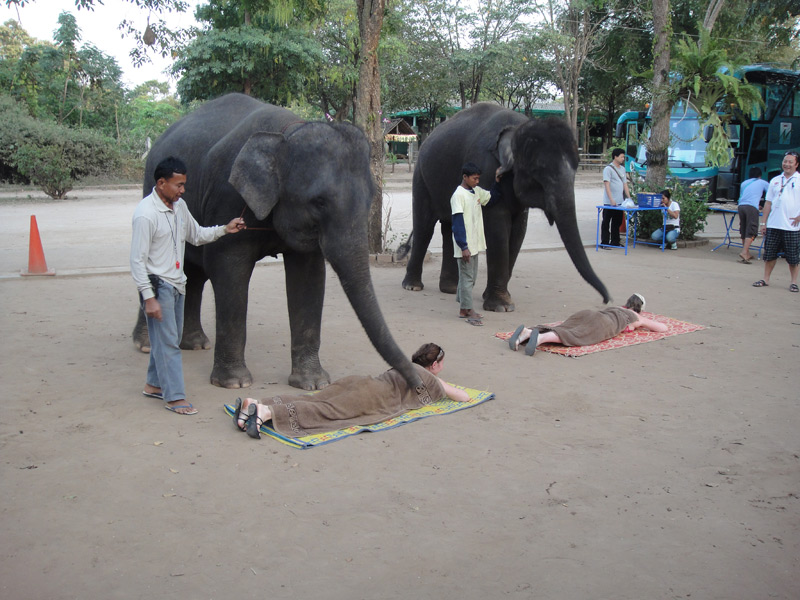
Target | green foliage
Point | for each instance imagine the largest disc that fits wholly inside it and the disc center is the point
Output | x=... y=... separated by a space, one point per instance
x=692 y=200
x=703 y=77
x=272 y=65
x=49 y=155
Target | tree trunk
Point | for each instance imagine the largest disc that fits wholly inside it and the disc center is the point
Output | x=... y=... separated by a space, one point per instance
x=368 y=107
x=658 y=146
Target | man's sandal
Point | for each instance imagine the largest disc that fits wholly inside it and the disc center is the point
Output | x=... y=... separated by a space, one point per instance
x=760 y=283
x=794 y=288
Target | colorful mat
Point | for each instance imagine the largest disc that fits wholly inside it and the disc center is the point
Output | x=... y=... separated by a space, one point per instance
x=442 y=407
x=626 y=338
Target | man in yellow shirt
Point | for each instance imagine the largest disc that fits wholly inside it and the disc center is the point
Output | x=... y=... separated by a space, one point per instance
x=466 y=205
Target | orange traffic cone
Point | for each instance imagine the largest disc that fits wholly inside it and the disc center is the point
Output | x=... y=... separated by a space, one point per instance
x=36 y=263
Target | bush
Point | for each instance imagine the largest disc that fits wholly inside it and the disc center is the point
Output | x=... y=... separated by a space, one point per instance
x=692 y=200
x=49 y=155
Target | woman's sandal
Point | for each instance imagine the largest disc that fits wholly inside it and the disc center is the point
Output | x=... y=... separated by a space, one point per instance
x=794 y=288
x=237 y=414
x=531 y=347
x=513 y=341
x=254 y=423
x=760 y=283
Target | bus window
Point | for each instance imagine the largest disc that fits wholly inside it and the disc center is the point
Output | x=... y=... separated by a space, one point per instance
x=775 y=93
x=792 y=106
x=759 y=145
x=632 y=139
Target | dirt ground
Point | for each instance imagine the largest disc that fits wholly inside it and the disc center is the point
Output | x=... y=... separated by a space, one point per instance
x=659 y=471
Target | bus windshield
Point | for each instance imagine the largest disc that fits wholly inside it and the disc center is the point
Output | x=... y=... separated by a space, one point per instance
x=687 y=147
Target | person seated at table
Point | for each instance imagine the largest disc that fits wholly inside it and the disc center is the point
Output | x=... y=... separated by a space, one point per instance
x=750 y=194
x=353 y=400
x=673 y=221
x=587 y=327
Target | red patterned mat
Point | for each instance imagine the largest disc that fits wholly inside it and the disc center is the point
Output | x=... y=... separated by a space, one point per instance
x=629 y=338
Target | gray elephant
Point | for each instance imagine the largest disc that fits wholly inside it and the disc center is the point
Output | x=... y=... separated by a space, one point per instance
x=539 y=159
x=304 y=190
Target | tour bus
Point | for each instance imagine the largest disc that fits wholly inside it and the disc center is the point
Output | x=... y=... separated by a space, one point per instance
x=760 y=139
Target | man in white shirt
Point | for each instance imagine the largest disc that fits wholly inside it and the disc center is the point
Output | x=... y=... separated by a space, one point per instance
x=781 y=225
x=162 y=224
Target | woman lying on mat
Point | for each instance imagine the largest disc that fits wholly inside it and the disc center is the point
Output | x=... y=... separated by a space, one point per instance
x=354 y=400
x=587 y=327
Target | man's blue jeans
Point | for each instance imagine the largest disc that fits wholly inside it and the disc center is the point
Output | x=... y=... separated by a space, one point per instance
x=165 y=370
x=671 y=235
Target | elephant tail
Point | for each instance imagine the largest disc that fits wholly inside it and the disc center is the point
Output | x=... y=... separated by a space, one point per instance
x=404 y=248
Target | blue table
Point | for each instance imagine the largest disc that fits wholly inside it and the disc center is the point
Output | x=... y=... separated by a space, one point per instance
x=729 y=217
x=630 y=214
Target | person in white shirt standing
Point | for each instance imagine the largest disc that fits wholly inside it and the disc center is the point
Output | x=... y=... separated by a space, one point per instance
x=615 y=183
x=781 y=225
x=162 y=224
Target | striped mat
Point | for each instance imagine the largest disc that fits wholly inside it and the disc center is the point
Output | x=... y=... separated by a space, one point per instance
x=442 y=407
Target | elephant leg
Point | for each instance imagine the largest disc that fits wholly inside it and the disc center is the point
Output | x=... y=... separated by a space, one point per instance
x=305 y=292
x=141 y=339
x=230 y=272
x=424 y=222
x=504 y=235
x=194 y=338
x=448 y=277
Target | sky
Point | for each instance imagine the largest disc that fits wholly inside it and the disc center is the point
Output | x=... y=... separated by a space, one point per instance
x=99 y=27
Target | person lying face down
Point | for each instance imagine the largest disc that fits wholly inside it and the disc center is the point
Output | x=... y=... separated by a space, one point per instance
x=586 y=327
x=353 y=400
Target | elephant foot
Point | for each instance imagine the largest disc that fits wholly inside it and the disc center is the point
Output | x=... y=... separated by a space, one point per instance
x=414 y=286
x=140 y=337
x=310 y=381
x=501 y=304
x=141 y=341
x=231 y=378
x=195 y=341
x=448 y=287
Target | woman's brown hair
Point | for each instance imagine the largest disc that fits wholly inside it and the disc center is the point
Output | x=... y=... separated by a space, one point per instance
x=427 y=355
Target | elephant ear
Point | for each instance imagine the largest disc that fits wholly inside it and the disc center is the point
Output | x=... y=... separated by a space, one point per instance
x=255 y=172
x=502 y=150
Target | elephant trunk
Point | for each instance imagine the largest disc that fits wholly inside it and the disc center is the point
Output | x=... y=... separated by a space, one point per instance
x=352 y=267
x=567 y=224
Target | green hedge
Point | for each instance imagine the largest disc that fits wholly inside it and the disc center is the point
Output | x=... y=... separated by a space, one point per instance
x=49 y=155
x=692 y=200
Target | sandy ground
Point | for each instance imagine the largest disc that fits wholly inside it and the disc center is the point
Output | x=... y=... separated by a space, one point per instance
x=659 y=471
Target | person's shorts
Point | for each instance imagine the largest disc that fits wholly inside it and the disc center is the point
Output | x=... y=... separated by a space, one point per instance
x=748 y=221
x=780 y=240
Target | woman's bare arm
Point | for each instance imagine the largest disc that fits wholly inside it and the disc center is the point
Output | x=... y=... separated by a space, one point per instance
x=454 y=393
x=649 y=324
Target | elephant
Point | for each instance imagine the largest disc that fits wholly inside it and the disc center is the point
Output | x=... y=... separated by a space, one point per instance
x=537 y=159
x=304 y=190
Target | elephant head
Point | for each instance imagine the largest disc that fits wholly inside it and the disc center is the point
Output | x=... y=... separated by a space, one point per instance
x=316 y=184
x=544 y=158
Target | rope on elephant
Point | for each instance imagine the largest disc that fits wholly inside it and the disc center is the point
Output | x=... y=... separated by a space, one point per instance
x=241 y=216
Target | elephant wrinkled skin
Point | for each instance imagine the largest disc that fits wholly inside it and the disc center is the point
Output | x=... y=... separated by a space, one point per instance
x=304 y=190
x=538 y=158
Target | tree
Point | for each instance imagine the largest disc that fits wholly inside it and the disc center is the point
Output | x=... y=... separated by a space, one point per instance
x=519 y=75
x=49 y=155
x=368 y=107
x=338 y=37
x=414 y=73
x=156 y=34
x=466 y=39
x=243 y=48
x=658 y=145
x=573 y=32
